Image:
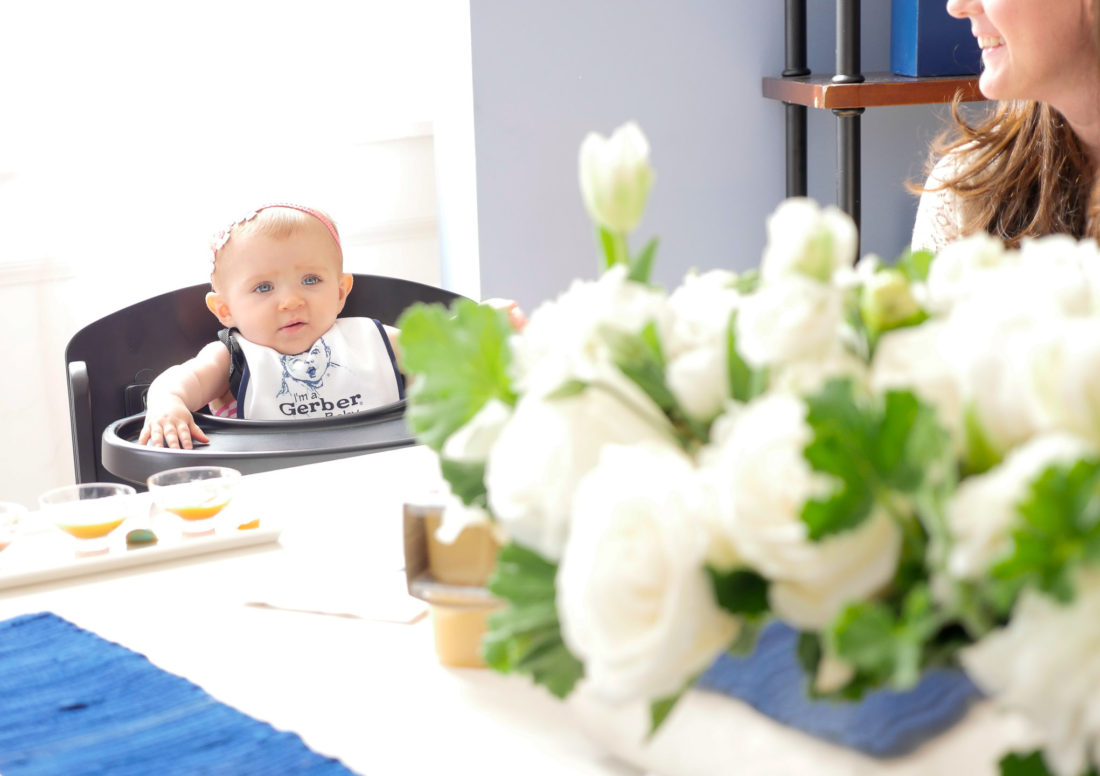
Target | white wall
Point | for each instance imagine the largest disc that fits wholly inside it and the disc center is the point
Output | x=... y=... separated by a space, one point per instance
x=690 y=73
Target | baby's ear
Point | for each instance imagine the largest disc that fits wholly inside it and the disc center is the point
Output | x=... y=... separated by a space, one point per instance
x=345 y=287
x=220 y=308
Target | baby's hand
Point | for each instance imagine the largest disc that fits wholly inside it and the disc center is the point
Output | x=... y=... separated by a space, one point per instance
x=516 y=316
x=171 y=426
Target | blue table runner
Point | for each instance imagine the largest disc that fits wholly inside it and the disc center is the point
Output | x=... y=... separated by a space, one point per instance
x=885 y=723
x=74 y=704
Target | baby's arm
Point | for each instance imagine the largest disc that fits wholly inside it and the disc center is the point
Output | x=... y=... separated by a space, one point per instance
x=179 y=391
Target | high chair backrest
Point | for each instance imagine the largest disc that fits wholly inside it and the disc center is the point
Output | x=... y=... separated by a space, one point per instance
x=111 y=361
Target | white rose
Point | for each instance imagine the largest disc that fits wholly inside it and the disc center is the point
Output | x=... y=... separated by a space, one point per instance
x=1046 y=665
x=1064 y=375
x=473 y=441
x=549 y=444
x=993 y=351
x=1060 y=272
x=793 y=318
x=562 y=340
x=806 y=240
x=962 y=268
x=636 y=605
x=762 y=480
x=808 y=376
x=981 y=514
x=615 y=177
x=917 y=359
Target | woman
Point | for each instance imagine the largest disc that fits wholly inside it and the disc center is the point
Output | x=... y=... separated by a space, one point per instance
x=1028 y=168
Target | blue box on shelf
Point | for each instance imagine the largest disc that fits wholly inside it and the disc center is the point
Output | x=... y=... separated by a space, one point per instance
x=925 y=40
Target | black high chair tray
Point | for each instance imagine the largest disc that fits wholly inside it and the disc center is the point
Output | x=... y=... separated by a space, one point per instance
x=257 y=445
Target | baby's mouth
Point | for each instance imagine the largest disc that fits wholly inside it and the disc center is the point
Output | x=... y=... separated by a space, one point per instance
x=292 y=327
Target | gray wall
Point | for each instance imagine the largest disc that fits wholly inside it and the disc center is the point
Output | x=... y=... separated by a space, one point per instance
x=688 y=71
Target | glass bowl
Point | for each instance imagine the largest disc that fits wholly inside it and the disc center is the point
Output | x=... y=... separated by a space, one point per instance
x=88 y=512
x=196 y=494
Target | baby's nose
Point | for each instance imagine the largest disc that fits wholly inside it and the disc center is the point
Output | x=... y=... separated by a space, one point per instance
x=290 y=301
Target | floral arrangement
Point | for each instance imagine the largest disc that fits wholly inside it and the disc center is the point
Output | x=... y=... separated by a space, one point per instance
x=899 y=461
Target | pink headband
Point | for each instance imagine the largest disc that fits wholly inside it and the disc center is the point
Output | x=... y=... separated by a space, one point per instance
x=222 y=237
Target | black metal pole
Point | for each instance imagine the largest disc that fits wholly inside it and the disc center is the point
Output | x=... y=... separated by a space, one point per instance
x=849 y=188
x=795 y=67
x=847 y=43
x=795 y=48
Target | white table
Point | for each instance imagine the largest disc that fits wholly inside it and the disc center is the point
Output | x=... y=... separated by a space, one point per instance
x=373 y=694
x=370 y=693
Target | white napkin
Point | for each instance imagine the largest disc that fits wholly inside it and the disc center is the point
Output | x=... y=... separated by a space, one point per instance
x=379 y=595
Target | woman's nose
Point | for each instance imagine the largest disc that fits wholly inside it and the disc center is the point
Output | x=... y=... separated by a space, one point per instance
x=961 y=9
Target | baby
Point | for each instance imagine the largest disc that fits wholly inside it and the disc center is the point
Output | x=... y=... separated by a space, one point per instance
x=278 y=287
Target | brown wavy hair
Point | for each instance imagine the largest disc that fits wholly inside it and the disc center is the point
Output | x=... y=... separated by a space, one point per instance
x=1026 y=173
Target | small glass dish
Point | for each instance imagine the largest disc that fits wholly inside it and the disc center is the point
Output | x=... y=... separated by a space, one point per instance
x=88 y=512
x=11 y=515
x=196 y=494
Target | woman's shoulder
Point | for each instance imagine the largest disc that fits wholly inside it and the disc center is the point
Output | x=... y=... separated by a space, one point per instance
x=939 y=212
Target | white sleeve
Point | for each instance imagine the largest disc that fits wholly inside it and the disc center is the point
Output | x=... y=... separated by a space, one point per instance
x=938 y=220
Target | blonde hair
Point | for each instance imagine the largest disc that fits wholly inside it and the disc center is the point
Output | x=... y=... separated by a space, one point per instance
x=276 y=221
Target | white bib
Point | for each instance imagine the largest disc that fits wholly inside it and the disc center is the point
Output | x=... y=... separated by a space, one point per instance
x=350 y=368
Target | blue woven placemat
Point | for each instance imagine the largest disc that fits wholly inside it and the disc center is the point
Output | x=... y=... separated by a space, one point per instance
x=886 y=723
x=75 y=704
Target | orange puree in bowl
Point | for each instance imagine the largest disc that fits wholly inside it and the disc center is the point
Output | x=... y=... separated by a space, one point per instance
x=90 y=530
x=198 y=513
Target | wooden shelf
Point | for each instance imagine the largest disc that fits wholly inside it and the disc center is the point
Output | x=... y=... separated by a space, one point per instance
x=877 y=89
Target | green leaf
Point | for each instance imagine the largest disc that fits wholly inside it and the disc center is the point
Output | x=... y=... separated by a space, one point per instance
x=615 y=250
x=1030 y=764
x=745 y=382
x=567 y=389
x=871 y=447
x=747 y=282
x=1057 y=532
x=740 y=591
x=981 y=456
x=915 y=265
x=525 y=636
x=641 y=266
x=640 y=357
x=659 y=711
x=884 y=644
x=457 y=361
x=467 y=480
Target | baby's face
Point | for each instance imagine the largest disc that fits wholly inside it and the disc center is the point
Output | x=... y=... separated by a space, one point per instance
x=282 y=293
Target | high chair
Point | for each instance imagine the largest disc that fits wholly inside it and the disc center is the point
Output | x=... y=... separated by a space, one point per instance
x=111 y=362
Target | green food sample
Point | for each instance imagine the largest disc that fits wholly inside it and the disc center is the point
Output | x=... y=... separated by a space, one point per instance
x=141 y=537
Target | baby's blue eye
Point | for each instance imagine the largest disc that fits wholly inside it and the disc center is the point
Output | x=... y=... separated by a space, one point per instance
x=310 y=280
x=263 y=288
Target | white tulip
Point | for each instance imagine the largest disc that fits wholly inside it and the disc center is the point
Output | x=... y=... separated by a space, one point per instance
x=1046 y=665
x=806 y=240
x=636 y=605
x=615 y=177
x=962 y=268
